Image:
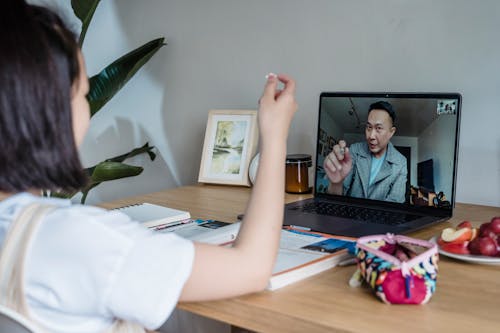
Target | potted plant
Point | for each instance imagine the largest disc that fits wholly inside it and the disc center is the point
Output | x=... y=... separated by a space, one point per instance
x=103 y=86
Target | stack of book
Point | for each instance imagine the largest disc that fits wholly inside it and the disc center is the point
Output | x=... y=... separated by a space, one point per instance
x=301 y=254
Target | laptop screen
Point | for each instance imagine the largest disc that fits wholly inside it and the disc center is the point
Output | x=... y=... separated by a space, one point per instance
x=399 y=148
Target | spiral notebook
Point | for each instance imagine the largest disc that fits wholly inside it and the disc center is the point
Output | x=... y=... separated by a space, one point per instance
x=153 y=216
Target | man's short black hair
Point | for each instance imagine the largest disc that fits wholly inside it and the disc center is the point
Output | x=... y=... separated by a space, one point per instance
x=39 y=65
x=383 y=105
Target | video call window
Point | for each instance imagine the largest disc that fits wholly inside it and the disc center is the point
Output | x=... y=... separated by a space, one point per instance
x=426 y=130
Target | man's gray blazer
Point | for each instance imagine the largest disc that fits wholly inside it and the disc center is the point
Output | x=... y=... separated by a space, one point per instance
x=390 y=182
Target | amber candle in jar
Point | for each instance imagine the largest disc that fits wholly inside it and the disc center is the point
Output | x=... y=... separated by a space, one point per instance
x=297 y=173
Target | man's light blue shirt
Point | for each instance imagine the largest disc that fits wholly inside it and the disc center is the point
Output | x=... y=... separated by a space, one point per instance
x=375 y=167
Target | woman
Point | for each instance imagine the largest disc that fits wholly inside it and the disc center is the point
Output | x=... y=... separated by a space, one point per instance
x=86 y=267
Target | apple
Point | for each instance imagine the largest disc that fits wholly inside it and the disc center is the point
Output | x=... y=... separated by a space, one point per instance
x=461 y=248
x=483 y=227
x=475 y=232
x=466 y=239
x=454 y=236
x=487 y=246
x=495 y=224
x=488 y=232
x=474 y=247
x=464 y=224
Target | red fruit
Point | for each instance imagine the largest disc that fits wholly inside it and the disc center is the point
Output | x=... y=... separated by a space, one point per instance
x=488 y=232
x=487 y=246
x=454 y=236
x=461 y=248
x=474 y=233
x=474 y=247
x=483 y=227
x=495 y=225
x=464 y=224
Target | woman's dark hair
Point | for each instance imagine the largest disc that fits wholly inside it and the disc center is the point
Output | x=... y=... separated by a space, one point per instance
x=38 y=67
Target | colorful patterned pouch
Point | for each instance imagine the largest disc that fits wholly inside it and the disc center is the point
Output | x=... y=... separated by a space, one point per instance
x=400 y=269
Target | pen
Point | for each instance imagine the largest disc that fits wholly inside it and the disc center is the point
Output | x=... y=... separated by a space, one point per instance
x=169 y=225
x=347 y=262
x=298 y=227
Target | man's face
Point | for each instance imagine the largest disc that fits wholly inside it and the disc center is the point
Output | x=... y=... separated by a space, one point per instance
x=379 y=130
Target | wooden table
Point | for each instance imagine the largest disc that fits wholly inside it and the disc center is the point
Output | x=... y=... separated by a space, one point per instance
x=467 y=297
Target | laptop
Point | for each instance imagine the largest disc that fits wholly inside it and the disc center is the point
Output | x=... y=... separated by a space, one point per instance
x=426 y=138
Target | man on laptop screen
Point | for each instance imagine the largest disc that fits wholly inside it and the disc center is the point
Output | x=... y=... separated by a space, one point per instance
x=385 y=162
x=373 y=168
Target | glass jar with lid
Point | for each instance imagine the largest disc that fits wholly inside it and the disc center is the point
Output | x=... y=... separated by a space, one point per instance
x=297 y=173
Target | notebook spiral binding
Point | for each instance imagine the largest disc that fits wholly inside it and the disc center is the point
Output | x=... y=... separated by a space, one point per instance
x=126 y=206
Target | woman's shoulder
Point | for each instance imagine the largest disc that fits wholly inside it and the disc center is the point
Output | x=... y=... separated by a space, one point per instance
x=17 y=202
x=94 y=231
x=64 y=211
x=104 y=250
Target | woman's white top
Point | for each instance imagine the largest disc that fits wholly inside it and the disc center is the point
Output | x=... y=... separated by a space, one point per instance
x=88 y=265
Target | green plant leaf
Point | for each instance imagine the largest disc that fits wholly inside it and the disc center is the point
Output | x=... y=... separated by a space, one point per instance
x=105 y=171
x=111 y=79
x=103 y=87
x=146 y=148
x=84 y=10
x=86 y=191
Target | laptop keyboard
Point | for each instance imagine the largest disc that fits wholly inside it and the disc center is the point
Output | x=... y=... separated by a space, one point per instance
x=356 y=213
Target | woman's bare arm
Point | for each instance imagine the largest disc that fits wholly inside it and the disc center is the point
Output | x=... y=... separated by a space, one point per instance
x=220 y=272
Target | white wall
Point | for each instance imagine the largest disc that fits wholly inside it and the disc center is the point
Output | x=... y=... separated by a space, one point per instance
x=434 y=145
x=219 y=51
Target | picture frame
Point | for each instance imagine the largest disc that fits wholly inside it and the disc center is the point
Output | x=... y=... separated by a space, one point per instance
x=231 y=139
